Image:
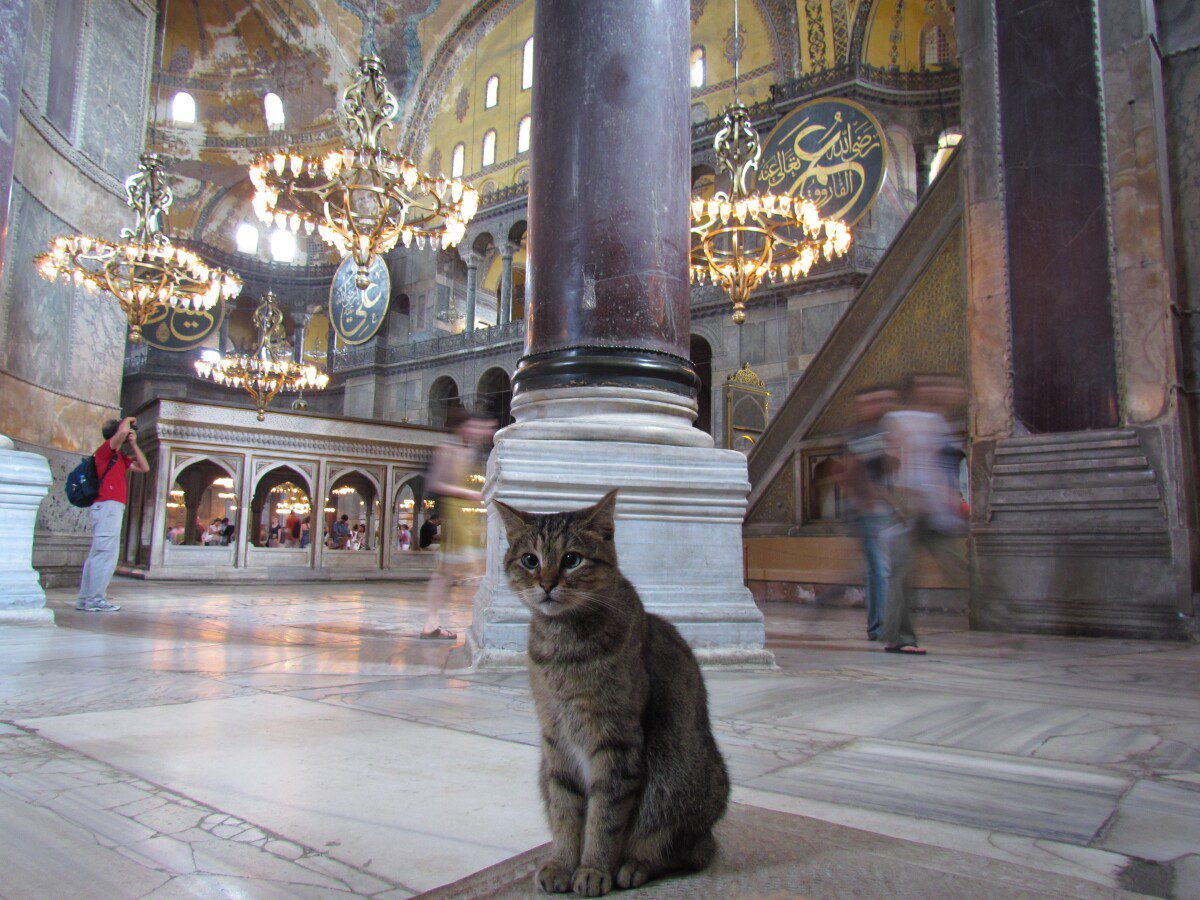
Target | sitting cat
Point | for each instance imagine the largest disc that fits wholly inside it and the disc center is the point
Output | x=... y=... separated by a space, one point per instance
x=631 y=776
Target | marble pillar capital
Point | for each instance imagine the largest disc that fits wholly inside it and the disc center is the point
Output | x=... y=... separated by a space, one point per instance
x=508 y=250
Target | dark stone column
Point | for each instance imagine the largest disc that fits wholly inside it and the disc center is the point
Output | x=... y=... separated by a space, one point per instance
x=472 y=288
x=1064 y=352
x=14 y=24
x=504 y=316
x=608 y=202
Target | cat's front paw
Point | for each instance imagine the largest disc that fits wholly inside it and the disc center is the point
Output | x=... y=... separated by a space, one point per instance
x=554 y=878
x=589 y=882
x=632 y=874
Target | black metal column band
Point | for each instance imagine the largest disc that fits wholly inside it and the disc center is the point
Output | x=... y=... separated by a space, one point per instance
x=606 y=367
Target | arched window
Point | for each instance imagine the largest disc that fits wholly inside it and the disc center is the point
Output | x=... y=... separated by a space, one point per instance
x=697 y=67
x=247 y=238
x=283 y=246
x=458 y=160
x=491 y=96
x=523 y=128
x=273 y=111
x=183 y=107
x=935 y=47
x=527 y=65
x=489 y=147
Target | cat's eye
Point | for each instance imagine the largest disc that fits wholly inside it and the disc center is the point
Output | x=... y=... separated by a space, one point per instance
x=572 y=560
x=530 y=561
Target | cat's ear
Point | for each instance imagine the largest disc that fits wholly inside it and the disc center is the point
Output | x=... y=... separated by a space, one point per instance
x=603 y=516
x=515 y=521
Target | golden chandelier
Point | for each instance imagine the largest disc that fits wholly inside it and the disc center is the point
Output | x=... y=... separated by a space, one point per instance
x=362 y=199
x=266 y=372
x=741 y=238
x=145 y=271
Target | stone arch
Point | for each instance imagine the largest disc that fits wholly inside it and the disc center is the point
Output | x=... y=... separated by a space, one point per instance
x=357 y=494
x=194 y=500
x=444 y=397
x=263 y=508
x=494 y=395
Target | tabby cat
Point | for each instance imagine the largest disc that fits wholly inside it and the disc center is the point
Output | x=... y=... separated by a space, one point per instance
x=631 y=777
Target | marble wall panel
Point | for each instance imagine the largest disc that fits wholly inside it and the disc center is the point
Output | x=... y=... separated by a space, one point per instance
x=38 y=323
x=818 y=323
x=41 y=23
x=113 y=113
x=14 y=20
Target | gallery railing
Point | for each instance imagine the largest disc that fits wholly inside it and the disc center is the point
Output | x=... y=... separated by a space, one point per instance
x=347 y=359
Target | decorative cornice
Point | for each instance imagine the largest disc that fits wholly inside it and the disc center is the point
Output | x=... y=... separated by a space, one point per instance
x=884 y=85
x=233 y=437
x=747 y=376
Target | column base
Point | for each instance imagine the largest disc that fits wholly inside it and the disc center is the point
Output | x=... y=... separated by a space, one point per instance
x=24 y=480
x=679 y=537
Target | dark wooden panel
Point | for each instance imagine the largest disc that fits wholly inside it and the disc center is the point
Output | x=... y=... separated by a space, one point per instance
x=1064 y=370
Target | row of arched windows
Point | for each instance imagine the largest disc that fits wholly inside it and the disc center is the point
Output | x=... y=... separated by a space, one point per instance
x=183 y=109
x=491 y=92
x=458 y=159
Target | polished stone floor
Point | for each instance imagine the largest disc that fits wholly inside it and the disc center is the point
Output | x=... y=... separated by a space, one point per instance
x=300 y=741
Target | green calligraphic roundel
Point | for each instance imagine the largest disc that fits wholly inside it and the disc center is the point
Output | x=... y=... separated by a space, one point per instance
x=357 y=314
x=172 y=328
x=831 y=151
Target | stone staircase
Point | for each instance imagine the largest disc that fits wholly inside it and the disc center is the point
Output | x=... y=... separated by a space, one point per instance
x=1074 y=507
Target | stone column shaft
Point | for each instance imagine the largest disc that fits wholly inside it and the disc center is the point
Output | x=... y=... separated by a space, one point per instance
x=472 y=290
x=608 y=205
x=504 y=316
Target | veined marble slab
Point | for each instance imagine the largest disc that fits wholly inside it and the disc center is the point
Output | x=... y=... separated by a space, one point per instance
x=990 y=791
x=417 y=804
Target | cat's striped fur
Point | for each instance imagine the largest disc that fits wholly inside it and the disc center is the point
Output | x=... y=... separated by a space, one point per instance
x=631 y=776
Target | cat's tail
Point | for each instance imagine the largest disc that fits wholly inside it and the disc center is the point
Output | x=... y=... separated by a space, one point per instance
x=701 y=853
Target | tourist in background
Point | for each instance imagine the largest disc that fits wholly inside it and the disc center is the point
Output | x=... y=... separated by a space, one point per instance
x=227 y=532
x=927 y=503
x=339 y=534
x=291 y=529
x=305 y=532
x=117 y=455
x=428 y=535
x=864 y=477
x=273 y=534
x=404 y=537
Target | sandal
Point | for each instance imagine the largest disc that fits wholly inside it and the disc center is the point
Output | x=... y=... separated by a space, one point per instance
x=907 y=649
x=439 y=634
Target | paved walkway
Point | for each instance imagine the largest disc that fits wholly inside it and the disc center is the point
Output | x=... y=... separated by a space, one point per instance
x=300 y=741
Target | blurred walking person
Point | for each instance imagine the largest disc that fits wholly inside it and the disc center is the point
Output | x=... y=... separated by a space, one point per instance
x=456 y=477
x=927 y=502
x=865 y=480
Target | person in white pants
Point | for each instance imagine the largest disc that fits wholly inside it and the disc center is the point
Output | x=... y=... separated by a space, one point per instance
x=114 y=458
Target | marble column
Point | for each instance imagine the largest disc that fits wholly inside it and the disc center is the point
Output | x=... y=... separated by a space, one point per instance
x=605 y=395
x=302 y=321
x=504 y=316
x=472 y=260
x=223 y=334
x=24 y=477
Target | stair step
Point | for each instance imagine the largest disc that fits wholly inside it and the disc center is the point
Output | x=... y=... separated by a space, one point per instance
x=1030 y=447
x=1102 y=464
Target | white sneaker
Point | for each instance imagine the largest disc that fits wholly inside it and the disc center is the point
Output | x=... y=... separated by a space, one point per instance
x=102 y=606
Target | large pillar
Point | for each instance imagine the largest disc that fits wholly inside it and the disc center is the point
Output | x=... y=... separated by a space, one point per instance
x=24 y=477
x=605 y=395
x=504 y=315
x=1081 y=521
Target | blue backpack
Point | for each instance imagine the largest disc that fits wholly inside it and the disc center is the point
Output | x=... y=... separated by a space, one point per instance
x=83 y=484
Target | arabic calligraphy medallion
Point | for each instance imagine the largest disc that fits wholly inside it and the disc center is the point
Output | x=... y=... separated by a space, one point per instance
x=831 y=151
x=175 y=328
x=357 y=314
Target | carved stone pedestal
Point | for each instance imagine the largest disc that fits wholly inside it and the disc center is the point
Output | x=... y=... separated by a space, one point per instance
x=24 y=480
x=679 y=517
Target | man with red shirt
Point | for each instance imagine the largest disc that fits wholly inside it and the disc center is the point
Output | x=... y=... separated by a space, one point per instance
x=113 y=460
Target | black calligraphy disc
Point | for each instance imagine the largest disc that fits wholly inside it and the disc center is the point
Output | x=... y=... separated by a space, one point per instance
x=175 y=329
x=357 y=314
x=831 y=151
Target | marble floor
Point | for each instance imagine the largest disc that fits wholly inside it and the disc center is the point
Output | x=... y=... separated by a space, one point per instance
x=301 y=741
